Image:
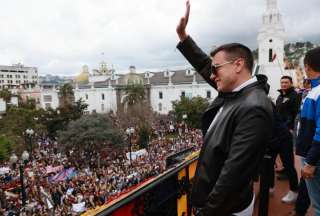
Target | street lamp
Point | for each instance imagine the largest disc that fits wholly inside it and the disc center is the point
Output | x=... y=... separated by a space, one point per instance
x=184 y=117
x=29 y=133
x=13 y=160
x=130 y=132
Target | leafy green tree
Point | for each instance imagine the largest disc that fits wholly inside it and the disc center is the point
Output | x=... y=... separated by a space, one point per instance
x=144 y=134
x=6 y=147
x=30 y=103
x=6 y=95
x=15 y=122
x=91 y=133
x=59 y=119
x=193 y=108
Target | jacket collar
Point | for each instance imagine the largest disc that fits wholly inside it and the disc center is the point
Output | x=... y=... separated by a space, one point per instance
x=261 y=83
x=288 y=91
x=222 y=96
x=315 y=82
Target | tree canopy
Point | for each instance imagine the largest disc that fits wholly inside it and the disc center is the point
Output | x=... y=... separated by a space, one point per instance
x=6 y=146
x=15 y=122
x=91 y=132
x=59 y=119
x=193 y=109
x=6 y=95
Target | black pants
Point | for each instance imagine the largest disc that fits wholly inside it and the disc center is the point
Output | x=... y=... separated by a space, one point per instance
x=285 y=151
x=287 y=158
x=303 y=200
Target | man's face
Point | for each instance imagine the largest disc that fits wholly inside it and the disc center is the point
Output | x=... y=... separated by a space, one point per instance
x=309 y=73
x=285 y=84
x=225 y=76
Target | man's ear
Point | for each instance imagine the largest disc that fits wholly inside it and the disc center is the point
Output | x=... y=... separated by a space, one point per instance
x=240 y=64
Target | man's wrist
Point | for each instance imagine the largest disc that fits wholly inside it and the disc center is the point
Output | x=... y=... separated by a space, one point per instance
x=183 y=36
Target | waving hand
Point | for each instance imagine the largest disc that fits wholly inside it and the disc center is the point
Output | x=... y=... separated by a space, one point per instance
x=181 y=28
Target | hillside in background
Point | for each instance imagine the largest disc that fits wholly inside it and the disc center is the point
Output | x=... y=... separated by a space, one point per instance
x=293 y=51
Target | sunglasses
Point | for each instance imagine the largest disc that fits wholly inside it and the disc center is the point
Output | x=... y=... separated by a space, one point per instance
x=215 y=67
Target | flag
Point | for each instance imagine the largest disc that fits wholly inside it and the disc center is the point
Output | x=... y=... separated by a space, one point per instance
x=63 y=175
x=79 y=207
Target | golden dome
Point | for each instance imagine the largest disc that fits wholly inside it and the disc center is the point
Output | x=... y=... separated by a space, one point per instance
x=132 y=77
x=83 y=77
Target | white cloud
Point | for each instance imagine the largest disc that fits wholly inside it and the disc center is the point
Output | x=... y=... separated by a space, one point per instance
x=60 y=36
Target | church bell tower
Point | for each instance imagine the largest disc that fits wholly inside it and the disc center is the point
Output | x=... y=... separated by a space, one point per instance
x=271 y=37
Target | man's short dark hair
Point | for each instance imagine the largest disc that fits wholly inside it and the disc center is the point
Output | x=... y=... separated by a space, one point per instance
x=234 y=51
x=312 y=59
x=287 y=77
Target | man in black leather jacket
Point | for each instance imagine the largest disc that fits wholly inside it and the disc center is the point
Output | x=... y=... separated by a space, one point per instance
x=236 y=127
x=287 y=102
x=287 y=106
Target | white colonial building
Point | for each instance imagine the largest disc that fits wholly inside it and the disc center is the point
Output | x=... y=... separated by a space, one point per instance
x=100 y=98
x=162 y=88
x=169 y=86
x=49 y=97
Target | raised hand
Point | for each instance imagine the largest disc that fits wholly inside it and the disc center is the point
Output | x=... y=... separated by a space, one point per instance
x=181 y=28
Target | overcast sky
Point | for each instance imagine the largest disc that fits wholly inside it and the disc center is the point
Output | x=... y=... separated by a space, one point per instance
x=59 y=36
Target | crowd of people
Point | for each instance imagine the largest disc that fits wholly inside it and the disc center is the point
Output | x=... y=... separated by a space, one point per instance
x=56 y=184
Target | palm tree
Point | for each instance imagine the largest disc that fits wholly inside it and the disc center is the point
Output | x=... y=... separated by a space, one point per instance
x=135 y=94
x=66 y=95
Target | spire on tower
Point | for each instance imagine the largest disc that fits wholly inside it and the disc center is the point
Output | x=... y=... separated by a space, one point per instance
x=271 y=4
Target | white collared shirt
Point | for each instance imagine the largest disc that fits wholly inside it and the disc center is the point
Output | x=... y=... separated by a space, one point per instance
x=246 y=83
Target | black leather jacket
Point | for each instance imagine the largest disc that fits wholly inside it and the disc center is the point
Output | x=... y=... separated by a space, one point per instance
x=288 y=106
x=234 y=146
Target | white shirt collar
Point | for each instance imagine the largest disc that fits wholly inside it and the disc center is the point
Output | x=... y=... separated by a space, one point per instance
x=246 y=83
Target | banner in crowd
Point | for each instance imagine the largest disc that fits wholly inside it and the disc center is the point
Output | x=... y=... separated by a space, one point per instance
x=4 y=170
x=63 y=175
x=50 y=169
x=136 y=154
x=79 y=207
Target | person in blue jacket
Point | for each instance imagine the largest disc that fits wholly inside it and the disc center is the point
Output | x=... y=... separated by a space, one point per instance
x=308 y=140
